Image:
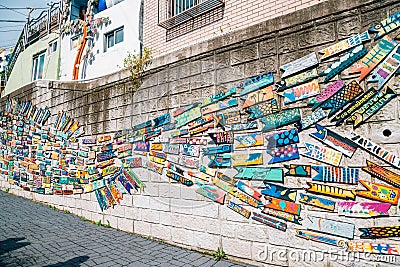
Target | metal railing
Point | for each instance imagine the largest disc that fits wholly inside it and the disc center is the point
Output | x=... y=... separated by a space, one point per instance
x=169 y=17
x=33 y=30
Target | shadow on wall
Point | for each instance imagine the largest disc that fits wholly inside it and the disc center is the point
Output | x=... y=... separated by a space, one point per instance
x=71 y=262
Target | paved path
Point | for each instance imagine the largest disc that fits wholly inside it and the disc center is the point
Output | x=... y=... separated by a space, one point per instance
x=32 y=234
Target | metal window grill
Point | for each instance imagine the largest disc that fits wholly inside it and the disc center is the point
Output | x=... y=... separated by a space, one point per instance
x=167 y=10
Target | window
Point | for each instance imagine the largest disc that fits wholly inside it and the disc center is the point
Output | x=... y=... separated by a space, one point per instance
x=52 y=47
x=113 y=38
x=178 y=6
x=38 y=65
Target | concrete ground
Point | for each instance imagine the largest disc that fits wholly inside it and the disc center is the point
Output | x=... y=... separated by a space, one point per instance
x=32 y=234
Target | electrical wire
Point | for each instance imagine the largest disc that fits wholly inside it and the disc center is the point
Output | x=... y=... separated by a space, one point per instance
x=12 y=10
x=12 y=21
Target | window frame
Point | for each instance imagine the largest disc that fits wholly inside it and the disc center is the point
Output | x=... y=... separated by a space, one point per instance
x=113 y=34
x=38 y=64
x=185 y=5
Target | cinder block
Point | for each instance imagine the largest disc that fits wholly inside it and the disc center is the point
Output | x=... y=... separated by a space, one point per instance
x=125 y=225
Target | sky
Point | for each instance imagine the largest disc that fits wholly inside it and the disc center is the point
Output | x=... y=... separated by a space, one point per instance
x=10 y=31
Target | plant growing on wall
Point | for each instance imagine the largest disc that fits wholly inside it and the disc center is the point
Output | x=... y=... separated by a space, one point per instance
x=136 y=64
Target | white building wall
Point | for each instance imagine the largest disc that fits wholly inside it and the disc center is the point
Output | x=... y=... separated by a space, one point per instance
x=124 y=14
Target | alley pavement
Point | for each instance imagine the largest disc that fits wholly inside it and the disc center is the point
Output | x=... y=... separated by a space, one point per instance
x=32 y=234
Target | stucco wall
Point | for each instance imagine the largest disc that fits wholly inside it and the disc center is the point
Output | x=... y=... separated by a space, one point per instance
x=22 y=71
x=175 y=213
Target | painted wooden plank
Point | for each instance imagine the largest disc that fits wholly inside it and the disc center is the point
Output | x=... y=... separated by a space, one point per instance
x=332 y=191
x=385 y=26
x=257 y=97
x=133 y=162
x=375 y=149
x=262 y=109
x=331 y=227
x=211 y=192
x=248 y=190
x=133 y=178
x=250 y=140
x=365 y=65
x=260 y=174
x=198 y=175
x=319 y=202
x=280 y=119
x=171 y=148
x=158 y=154
x=227 y=118
x=161 y=120
x=207 y=170
x=169 y=127
x=342 y=98
x=323 y=154
x=197 y=141
x=380 y=232
x=226 y=178
x=179 y=140
x=282 y=138
x=317 y=237
x=179 y=178
x=284 y=153
x=311 y=119
x=375 y=248
x=344 y=62
x=330 y=91
x=234 y=192
x=251 y=125
x=255 y=83
x=220 y=95
x=221 y=138
x=283 y=205
x=156 y=146
x=181 y=110
x=142 y=125
x=387 y=68
x=217 y=150
x=217 y=161
x=269 y=221
x=152 y=134
x=189 y=162
x=299 y=65
x=354 y=106
x=372 y=106
x=335 y=140
x=296 y=79
x=286 y=216
x=239 y=209
x=200 y=121
x=382 y=173
x=344 y=45
x=298 y=170
x=175 y=168
x=363 y=209
x=379 y=192
x=279 y=191
x=219 y=106
x=188 y=116
x=201 y=129
x=178 y=132
x=154 y=167
x=248 y=159
x=329 y=174
x=300 y=92
x=190 y=150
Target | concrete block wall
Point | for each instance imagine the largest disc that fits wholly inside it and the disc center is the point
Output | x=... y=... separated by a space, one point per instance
x=175 y=213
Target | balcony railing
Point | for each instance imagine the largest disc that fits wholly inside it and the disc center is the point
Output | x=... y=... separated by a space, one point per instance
x=168 y=22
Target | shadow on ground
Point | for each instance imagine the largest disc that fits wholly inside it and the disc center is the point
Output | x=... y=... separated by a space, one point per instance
x=11 y=244
x=71 y=262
